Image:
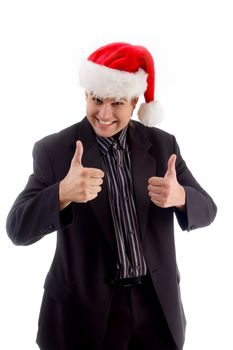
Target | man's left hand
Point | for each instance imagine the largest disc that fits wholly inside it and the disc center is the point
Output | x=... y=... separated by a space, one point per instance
x=166 y=191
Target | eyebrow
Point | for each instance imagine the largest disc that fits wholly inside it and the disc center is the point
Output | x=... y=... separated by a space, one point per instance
x=111 y=99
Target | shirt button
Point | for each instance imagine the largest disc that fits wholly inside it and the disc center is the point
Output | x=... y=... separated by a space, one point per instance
x=132 y=233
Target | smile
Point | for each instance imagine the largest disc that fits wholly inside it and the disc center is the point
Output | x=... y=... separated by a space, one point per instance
x=105 y=123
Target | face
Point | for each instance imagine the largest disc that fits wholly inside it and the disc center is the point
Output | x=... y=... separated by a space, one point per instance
x=108 y=116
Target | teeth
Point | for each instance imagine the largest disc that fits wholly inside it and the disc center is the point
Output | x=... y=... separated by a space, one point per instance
x=105 y=123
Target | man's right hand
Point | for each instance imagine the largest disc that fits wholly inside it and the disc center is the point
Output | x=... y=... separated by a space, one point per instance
x=80 y=184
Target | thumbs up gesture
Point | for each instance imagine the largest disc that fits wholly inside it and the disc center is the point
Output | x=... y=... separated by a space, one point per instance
x=165 y=191
x=80 y=184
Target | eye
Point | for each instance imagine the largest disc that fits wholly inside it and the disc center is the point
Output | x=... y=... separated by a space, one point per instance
x=97 y=100
x=117 y=103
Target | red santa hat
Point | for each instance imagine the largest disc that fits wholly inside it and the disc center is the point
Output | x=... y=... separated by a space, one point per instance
x=121 y=70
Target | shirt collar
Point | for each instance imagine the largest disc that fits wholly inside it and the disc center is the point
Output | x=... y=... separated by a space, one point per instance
x=107 y=142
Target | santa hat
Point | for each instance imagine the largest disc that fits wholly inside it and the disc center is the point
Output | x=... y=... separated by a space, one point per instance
x=121 y=70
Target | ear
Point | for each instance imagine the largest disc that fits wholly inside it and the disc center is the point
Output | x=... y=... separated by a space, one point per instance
x=134 y=101
x=86 y=95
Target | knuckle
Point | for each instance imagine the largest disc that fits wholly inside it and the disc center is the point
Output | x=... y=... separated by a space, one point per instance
x=84 y=172
x=98 y=182
x=84 y=194
x=167 y=190
x=83 y=184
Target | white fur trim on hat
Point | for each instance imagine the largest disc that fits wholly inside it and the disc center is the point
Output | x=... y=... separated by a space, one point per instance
x=150 y=113
x=111 y=83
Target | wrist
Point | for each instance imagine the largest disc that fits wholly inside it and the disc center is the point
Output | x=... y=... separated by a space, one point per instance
x=63 y=198
x=182 y=195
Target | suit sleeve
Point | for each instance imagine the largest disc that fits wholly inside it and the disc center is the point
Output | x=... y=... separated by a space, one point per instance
x=35 y=212
x=200 y=209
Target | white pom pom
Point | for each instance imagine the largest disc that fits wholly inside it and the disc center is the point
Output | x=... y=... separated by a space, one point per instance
x=150 y=113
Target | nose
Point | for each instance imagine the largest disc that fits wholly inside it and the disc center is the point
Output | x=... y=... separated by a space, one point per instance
x=105 y=111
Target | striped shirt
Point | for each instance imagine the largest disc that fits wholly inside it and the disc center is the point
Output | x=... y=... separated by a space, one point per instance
x=117 y=164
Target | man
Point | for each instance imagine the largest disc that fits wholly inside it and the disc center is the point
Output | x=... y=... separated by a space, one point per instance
x=110 y=187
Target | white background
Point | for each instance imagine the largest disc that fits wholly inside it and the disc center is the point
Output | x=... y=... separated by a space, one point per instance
x=42 y=44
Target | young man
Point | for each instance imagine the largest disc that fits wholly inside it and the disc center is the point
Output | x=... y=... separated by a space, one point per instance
x=110 y=187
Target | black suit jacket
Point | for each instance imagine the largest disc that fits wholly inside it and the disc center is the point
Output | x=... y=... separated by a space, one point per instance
x=78 y=291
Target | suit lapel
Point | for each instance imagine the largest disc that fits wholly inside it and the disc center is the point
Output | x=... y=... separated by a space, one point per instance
x=143 y=167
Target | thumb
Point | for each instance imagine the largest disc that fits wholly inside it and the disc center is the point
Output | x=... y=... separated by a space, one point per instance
x=77 y=158
x=171 y=166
